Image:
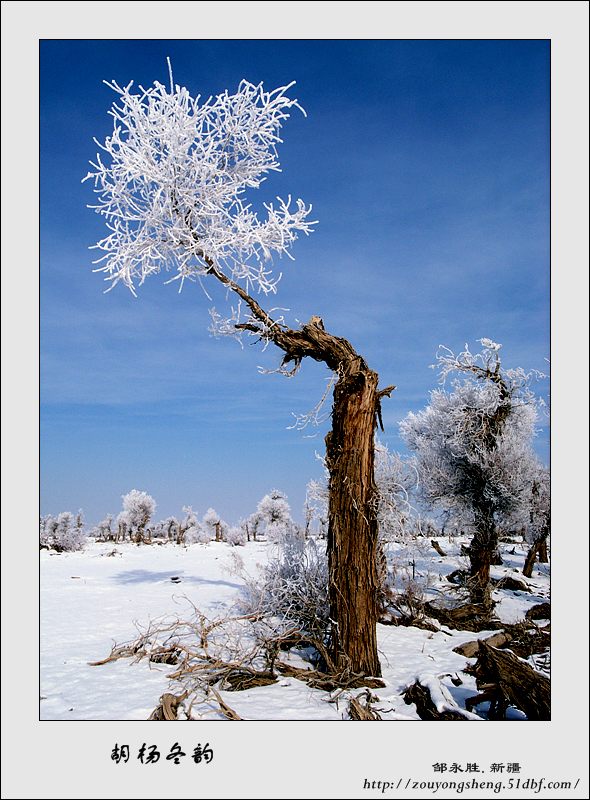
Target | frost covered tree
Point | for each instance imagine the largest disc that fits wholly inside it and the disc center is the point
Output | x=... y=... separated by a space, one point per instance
x=172 y=182
x=317 y=501
x=138 y=509
x=538 y=520
x=122 y=523
x=190 y=529
x=170 y=528
x=395 y=480
x=214 y=525
x=473 y=449
x=273 y=516
x=104 y=528
x=47 y=528
x=67 y=535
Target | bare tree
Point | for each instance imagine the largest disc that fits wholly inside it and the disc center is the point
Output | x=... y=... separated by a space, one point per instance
x=171 y=185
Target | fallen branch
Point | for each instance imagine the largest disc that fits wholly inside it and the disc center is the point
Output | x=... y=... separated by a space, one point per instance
x=539 y=611
x=358 y=711
x=328 y=681
x=434 y=702
x=468 y=617
x=226 y=710
x=507 y=680
x=124 y=651
x=168 y=708
x=229 y=654
x=438 y=548
x=512 y=584
x=470 y=649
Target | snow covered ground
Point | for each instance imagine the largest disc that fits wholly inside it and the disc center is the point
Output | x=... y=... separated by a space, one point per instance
x=99 y=596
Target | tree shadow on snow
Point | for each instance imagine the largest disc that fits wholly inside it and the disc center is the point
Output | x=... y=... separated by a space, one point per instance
x=148 y=576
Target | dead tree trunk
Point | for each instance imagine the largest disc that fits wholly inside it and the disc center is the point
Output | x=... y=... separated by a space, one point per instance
x=543 y=555
x=508 y=680
x=352 y=530
x=538 y=548
x=352 y=526
x=530 y=559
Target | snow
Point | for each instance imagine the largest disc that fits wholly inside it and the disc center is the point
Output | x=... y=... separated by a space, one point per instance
x=107 y=593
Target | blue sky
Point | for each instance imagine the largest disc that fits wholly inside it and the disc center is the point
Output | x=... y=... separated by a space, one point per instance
x=427 y=163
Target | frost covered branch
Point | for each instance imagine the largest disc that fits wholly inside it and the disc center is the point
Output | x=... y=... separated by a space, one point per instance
x=485 y=365
x=171 y=183
x=315 y=417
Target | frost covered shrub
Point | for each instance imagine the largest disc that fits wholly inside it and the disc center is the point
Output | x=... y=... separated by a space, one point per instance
x=47 y=527
x=197 y=534
x=68 y=536
x=294 y=586
x=235 y=536
x=159 y=530
x=279 y=531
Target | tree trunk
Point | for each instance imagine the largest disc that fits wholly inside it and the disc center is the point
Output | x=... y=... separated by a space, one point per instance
x=352 y=530
x=481 y=556
x=543 y=556
x=531 y=556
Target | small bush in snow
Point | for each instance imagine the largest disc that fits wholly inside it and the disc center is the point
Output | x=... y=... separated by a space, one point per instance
x=235 y=536
x=294 y=585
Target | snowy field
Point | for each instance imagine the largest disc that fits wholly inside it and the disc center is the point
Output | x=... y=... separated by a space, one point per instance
x=94 y=598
